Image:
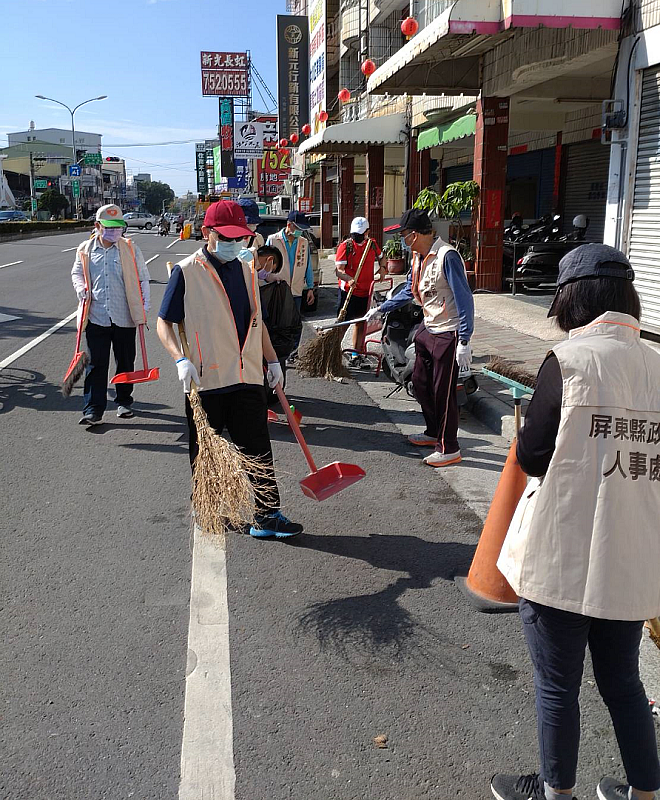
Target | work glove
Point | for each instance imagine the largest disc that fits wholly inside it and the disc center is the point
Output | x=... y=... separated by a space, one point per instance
x=147 y=306
x=82 y=294
x=373 y=315
x=463 y=356
x=274 y=375
x=187 y=373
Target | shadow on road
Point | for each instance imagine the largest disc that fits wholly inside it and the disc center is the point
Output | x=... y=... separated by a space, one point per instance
x=377 y=623
x=29 y=325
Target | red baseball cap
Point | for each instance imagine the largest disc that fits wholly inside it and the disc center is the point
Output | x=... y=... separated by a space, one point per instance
x=227 y=218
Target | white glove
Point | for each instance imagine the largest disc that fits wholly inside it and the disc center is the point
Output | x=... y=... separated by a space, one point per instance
x=187 y=372
x=274 y=374
x=463 y=356
x=82 y=294
x=373 y=315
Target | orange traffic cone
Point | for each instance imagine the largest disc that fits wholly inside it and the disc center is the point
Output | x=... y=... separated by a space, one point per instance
x=485 y=585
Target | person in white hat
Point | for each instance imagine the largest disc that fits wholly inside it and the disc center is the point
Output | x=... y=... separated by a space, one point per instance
x=111 y=273
x=347 y=260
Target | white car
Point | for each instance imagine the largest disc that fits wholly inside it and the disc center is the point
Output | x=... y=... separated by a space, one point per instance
x=137 y=219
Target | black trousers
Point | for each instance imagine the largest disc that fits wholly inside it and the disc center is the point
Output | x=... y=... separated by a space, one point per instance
x=99 y=341
x=245 y=415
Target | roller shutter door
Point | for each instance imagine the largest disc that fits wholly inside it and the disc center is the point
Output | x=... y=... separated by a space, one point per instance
x=644 y=242
x=587 y=176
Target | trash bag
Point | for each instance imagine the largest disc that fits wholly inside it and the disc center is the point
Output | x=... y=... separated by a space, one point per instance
x=283 y=319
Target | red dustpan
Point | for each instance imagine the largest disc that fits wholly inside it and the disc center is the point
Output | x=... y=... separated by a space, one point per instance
x=143 y=375
x=329 y=480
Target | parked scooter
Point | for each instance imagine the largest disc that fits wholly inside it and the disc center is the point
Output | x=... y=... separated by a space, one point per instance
x=540 y=263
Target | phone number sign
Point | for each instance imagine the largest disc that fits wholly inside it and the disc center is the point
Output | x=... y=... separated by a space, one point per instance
x=225 y=74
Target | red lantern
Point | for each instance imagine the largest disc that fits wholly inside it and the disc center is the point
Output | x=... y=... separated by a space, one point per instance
x=294 y=138
x=306 y=129
x=282 y=150
x=368 y=67
x=284 y=142
x=323 y=116
x=344 y=95
x=409 y=27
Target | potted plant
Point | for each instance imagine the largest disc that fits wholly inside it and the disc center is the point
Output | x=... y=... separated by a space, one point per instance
x=457 y=198
x=393 y=251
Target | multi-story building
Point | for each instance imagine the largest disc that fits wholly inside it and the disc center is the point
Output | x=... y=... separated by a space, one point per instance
x=87 y=142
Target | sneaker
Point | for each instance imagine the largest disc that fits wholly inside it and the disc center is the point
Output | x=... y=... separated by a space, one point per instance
x=443 y=459
x=422 y=440
x=90 y=419
x=354 y=361
x=517 y=787
x=124 y=412
x=364 y=363
x=292 y=359
x=611 y=789
x=275 y=524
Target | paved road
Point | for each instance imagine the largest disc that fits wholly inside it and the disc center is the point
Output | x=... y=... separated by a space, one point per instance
x=355 y=630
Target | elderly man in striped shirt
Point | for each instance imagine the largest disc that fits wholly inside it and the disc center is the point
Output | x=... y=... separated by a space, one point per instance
x=110 y=273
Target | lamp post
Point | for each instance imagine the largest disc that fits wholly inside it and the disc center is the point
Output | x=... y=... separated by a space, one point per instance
x=72 y=111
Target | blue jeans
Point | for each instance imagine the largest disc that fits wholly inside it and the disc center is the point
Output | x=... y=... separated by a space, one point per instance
x=99 y=341
x=557 y=641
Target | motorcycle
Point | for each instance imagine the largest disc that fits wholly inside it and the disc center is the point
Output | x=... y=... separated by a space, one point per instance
x=518 y=238
x=163 y=228
x=540 y=263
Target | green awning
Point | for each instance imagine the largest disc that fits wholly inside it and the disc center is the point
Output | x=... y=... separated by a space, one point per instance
x=449 y=132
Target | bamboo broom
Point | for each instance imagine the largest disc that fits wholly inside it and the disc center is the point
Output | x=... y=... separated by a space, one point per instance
x=322 y=356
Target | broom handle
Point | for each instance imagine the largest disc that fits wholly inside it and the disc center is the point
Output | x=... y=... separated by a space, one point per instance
x=344 y=309
x=143 y=347
x=294 y=426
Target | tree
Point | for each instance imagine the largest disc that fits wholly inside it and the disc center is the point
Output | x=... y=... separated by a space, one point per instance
x=154 y=194
x=52 y=201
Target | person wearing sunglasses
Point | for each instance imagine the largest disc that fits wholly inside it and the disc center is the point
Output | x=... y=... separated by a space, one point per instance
x=215 y=292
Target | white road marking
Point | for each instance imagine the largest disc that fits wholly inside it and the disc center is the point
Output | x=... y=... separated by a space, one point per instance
x=11 y=264
x=68 y=249
x=7 y=318
x=10 y=359
x=152 y=258
x=171 y=244
x=207 y=752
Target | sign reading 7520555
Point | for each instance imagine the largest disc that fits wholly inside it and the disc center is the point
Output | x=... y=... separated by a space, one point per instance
x=225 y=74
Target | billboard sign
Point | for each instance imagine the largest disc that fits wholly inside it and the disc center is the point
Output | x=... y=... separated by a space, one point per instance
x=226 y=133
x=225 y=74
x=317 y=65
x=292 y=73
x=273 y=168
x=200 y=163
x=248 y=139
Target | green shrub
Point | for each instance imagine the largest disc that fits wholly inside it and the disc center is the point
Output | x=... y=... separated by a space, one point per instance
x=7 y=228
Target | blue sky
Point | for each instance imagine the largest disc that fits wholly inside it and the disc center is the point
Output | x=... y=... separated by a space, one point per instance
x=145 y=55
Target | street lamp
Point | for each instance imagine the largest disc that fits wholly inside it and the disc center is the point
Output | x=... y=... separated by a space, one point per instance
x=72 y=111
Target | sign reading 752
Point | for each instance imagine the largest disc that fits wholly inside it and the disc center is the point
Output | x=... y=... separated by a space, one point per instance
x=274 y=160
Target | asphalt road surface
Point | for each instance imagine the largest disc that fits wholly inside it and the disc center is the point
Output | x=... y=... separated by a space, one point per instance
x=353 y=631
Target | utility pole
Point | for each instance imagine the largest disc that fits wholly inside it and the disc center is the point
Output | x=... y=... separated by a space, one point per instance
x=32 y=197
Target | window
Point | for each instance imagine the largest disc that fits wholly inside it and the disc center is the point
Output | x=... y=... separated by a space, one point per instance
x=62 y=141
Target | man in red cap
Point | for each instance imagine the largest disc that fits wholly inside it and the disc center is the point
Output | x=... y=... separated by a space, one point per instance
x=215 y=292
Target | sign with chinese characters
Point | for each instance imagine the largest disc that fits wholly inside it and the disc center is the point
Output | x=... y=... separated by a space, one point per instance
x=225 y=74
x=306 y=204
x=200 y=163
x=274 y=167
x=75 y=170
x=93 y=159
x=292 y=73
x=240 y=184
x=226 y=133
x=317 y=70
x=40 y=183
x=630 y=461
x=75 y=188
x=210 y=182
x=248 y=139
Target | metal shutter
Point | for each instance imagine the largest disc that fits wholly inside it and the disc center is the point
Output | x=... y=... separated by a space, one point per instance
x=587 y=176
x=644 y=243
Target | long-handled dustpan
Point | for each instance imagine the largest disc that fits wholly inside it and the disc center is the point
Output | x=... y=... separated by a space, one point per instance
x=326 y=481
x=143 y=375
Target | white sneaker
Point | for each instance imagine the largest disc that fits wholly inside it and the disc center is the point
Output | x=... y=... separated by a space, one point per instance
x=123 y=412
x=422 y=440
x=443 y=459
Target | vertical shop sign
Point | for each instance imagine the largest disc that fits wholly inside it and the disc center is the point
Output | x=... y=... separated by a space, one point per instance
x=227 y=137
x=200 y=163
x=274 y=167
x=317 y=65
x=292 y=73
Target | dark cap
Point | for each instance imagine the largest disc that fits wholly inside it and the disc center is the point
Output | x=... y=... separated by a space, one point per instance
x=251 y=210
x=414 y=219
x=227 y=218
x=299 y=220
x=591 y=261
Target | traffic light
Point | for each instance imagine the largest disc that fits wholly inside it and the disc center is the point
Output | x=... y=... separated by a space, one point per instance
x=434 y=171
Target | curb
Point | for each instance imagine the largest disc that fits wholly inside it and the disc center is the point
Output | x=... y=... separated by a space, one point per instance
x=17 y=237
x=491 y=410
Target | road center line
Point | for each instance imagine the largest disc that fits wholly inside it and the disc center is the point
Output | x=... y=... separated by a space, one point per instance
x=11 y=264
x=69 y=249
x=10 y=359
x=171 y=244
x=207 y=751
x=152 y=258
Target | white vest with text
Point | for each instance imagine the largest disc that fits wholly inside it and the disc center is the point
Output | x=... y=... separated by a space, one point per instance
x=432 y=291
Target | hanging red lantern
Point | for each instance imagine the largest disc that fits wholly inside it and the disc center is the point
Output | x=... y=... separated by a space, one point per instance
x=294 y=138
x=282 y=151
x=284 y=142
x=368 y=67
x=306 y=129
x=344 y=95
x=323 y=116
x=409 y=27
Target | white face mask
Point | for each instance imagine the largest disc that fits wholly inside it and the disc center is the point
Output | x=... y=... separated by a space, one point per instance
x=228 y=251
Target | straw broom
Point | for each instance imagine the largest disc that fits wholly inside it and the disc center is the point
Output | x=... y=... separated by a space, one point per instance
x=223 y=496
x=322 y=357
